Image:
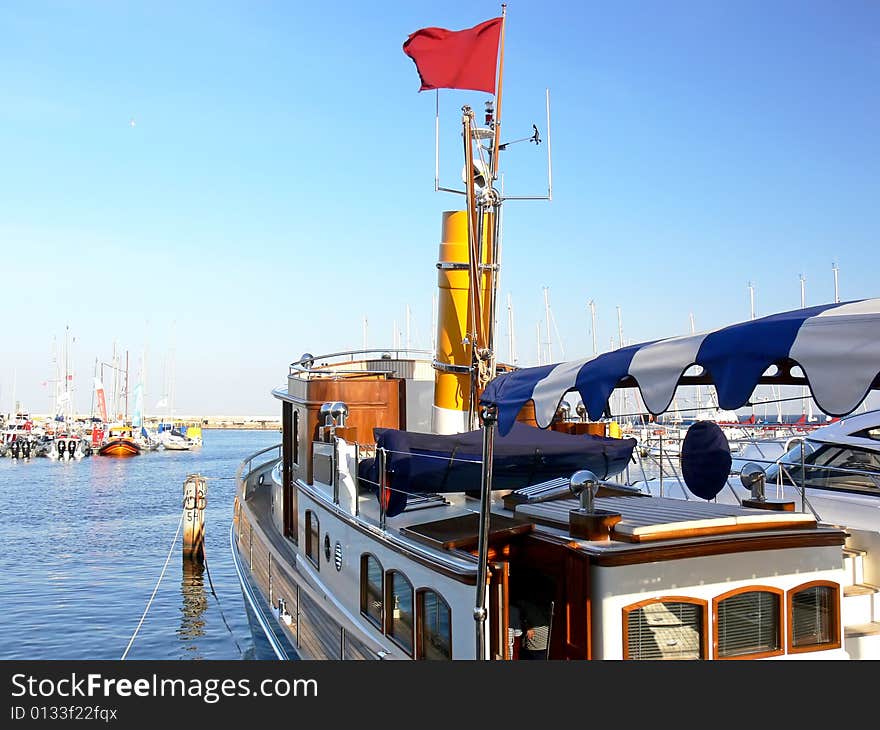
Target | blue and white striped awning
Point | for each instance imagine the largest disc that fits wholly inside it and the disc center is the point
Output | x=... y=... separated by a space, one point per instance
x=837 y=347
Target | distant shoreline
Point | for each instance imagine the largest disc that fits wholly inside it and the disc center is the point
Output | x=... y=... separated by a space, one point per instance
x=242 y=423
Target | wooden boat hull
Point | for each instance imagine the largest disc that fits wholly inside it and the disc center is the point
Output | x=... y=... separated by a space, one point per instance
x=120 y=447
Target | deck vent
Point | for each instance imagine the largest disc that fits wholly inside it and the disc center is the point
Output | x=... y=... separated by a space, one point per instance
x=587 y=522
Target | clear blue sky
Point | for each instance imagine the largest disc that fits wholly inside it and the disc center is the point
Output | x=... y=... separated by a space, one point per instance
x=277 y=184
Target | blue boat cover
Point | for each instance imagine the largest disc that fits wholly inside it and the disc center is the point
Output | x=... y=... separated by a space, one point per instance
x=837 y=346
x=425 y=463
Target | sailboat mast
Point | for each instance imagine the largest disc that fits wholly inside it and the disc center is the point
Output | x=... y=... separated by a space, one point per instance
x=592 y=305
x=126 y=385
x=511 y=339
x=547 y=324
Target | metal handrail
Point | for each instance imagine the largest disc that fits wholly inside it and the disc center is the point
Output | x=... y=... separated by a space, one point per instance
x=305 y=365
x=245 y=466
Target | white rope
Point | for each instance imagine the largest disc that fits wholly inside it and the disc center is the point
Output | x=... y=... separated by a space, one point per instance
x=150 y=602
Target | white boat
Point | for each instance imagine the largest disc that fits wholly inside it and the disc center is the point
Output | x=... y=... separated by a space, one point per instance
x=416 y=499
x=174 y=441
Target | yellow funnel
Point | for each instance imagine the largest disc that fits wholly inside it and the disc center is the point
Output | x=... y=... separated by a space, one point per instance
x=452 y=389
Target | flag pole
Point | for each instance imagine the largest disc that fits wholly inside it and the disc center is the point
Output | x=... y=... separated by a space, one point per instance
x=497 y=143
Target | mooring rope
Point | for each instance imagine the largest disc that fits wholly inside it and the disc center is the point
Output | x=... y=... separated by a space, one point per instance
x=161 y=576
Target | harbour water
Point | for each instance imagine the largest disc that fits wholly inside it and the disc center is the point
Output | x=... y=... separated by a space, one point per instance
x=83 y=543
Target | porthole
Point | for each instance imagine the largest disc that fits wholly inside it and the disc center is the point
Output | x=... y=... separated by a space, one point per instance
x=337 y=556
x=260 y=480
x=327 y=547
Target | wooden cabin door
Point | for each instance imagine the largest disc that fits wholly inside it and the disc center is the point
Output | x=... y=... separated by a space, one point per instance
x=498 y=610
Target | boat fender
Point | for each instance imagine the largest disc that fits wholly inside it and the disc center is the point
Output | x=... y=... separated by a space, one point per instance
x=705 y=459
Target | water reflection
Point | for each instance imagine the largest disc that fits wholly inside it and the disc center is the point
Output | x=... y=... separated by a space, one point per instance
x=193 y=607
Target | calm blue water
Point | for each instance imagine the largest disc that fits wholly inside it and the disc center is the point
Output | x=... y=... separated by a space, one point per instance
x=82 y=545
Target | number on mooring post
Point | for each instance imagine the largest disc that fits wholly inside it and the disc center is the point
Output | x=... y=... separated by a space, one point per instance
x=195 y=498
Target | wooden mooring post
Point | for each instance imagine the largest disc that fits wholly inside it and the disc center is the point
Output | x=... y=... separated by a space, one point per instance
x=195 y=499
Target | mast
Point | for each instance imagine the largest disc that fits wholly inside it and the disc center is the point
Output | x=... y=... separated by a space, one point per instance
x=66 y=374
x=126 y=386
x=547 y=323
x=511 y=340
x=803 y=304
x=699 y=388
x=488 y=415
x=94 y=377
x=53 y=392
x=592 y=305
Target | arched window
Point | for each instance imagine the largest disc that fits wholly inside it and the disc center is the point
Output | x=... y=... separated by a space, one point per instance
x=748 y=623
x=813 y=617
x=434 y=626
x=666 y=628
x=399 y=610
x=313 y=538
x=372 y=589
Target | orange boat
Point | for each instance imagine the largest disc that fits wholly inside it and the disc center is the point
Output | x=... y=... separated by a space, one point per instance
x=119 y=443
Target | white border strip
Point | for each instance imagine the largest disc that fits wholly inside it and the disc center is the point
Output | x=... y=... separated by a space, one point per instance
x=248 y=592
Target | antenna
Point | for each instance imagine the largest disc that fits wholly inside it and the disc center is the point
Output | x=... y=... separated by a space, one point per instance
x=803 y=291
x=752 y=298
x=365 y=327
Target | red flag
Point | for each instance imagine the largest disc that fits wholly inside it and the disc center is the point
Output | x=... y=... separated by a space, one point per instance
x=456 y=59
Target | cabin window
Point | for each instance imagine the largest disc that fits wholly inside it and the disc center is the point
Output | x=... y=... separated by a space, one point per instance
x=665 y=628
x=313 y=538
x=814 y=609
x=399 y=614
x=372 y=589
x=748 y=623
x=434 y=633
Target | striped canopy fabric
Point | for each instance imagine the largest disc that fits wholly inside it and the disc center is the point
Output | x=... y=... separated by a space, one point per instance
x=837 y=346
